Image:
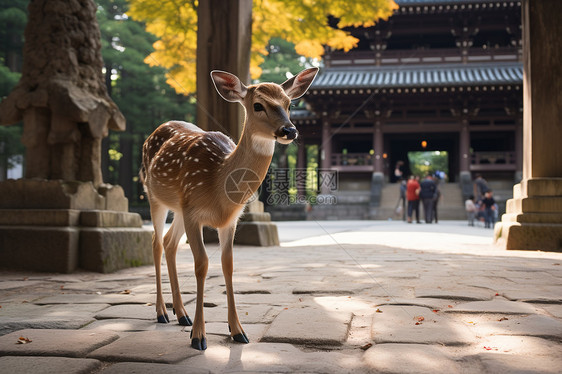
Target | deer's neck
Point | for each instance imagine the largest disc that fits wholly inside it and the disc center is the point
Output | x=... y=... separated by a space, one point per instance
x=252 y=152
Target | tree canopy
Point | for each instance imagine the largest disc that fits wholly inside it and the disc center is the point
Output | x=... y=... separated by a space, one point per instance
x=306 y=23
x=13 y=18
x=139 y=91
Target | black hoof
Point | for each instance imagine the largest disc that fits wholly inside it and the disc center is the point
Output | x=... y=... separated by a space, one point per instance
x=241 y=338
x=163 y=318
x=185 y=321
x=199 y=344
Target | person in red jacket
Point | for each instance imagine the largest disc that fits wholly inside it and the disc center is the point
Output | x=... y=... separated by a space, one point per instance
x=413 y=197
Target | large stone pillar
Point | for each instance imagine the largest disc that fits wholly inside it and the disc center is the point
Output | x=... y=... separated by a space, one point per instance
x=62 y=216
x=533 y=219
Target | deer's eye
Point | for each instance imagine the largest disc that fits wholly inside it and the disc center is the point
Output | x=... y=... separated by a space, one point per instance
x=258 y=107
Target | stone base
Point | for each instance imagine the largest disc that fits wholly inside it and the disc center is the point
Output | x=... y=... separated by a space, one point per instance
x=529 y=236
x=58 y=194
x=62 y=240
x=254 y=228
x=533 y=219
x=105 y=250
x=53 y=249
x=59 y=226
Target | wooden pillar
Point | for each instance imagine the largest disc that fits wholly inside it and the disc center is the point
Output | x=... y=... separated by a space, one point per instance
x=378 y=148
x=223 y=42
x=533 y=219
x=301 y=168
x=326 y=147
x=326 y=150
x=542 y=88
x=518 y=150
x=464 y=148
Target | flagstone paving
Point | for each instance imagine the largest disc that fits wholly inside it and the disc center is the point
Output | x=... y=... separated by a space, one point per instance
x=388 y=298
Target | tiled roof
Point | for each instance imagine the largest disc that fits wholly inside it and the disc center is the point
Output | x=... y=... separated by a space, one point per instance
x=421 y=76
x=452 y=2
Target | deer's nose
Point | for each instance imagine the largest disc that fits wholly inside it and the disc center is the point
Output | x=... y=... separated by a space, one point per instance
x=288 y=132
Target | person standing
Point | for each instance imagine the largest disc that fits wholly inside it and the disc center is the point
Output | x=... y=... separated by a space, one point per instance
x=401 y=205
x=471 y=209
x=437 y=196
x=412 y=195
x=489 y=209
x=398 y=171
x=480 y=187
x=427 y=196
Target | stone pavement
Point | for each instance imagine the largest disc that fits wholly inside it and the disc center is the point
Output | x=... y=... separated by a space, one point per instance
x=378 y=297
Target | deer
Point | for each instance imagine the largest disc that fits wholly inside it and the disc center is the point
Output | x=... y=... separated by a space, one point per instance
x=206 y=180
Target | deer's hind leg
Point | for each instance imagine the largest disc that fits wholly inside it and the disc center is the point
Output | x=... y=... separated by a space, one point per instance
x=158 y=214
x=171 y=241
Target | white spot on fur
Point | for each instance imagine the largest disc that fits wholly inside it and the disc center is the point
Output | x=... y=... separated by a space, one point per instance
x=195 y=160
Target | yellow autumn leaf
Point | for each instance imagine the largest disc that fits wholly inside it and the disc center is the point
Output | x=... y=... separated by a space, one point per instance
x=302 y=22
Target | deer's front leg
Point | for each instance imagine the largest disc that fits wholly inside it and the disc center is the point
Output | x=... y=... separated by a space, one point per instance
x=201 y=261
x=171 y=241
x=226 y=237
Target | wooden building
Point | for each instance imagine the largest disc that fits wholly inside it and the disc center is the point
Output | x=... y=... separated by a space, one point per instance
x=439 y=75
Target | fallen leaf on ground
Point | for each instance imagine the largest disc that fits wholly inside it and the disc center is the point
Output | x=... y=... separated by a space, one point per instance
x=125 y=292
x=366 y=346
x=449 y=306
x=490 y=348
x=435 y=310
x=503 y=319
x=378 y=311
x=23 y=340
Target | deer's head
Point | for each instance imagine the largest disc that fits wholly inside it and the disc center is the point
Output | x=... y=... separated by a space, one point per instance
x=267 y=104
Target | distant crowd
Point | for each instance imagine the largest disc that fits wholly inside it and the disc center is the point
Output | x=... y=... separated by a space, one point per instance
x=480 y=206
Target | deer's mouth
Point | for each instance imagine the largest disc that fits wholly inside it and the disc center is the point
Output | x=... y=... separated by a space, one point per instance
x=286 y=134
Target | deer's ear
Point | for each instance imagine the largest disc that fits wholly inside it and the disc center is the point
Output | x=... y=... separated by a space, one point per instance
x=228 y=86
x=296 y=86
